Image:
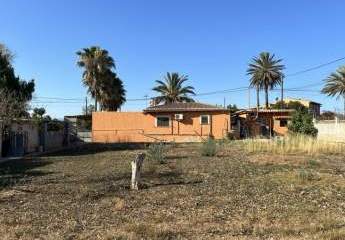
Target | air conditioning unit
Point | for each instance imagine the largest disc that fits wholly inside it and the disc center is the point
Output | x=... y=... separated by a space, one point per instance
x=179 y=116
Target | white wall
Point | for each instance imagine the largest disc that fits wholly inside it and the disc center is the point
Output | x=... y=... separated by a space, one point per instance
x=331 y=130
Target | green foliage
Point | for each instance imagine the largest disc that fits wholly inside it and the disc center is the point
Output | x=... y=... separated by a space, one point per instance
x=112 y=92
x=38 y=113
x=266 y=73
x=302 y=123
x=9 y=81
x=313 y=163
x=209 y=147
x=233 y=108
x=55 y=125
x=307 y=175
x=39 y=117
x=11 y=85
x=296 y=105
x=335 y=83
x=156 y=152
x=98 y=76
x=171 y=89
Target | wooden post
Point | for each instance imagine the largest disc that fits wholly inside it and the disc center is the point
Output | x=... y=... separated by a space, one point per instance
x=136 y=170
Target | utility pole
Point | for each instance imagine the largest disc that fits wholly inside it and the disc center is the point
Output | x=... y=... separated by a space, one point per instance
x=224 y=102
x=146 y=97
x=282 y=92
x=86 y=108
x=248 y=97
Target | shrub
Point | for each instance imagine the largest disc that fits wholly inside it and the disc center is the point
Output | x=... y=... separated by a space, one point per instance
x=307 y=175
x=209 y=147
x=302 y=123
x=156 y=152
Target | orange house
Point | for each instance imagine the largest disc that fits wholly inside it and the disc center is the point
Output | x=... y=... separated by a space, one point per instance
x=179 y=122
x=262 y=122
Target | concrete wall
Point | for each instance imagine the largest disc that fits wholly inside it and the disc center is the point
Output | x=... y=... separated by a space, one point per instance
x=331 y=130
x=31 y=130
x=53 y=140
x=141 y=127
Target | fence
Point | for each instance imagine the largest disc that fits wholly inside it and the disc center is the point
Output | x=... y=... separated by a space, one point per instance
x=25 y=136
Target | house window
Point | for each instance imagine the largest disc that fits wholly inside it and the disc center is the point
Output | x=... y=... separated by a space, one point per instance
x=283 y=123
x=162 y=121
x=205 y=119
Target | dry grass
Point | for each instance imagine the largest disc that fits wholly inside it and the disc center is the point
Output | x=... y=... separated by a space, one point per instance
x=85 y=194
x=294 y=144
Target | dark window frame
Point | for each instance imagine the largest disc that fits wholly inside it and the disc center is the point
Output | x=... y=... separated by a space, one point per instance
x=158 y=122
x=208 y=119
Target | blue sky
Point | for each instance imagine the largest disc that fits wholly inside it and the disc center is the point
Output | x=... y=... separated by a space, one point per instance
x=210 y=41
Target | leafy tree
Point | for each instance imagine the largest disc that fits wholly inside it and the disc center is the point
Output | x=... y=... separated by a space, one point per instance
x=38 y=113
x=335 y=84
x=233 y=108
x=172 y=89
x=96 y=63
x=11 y=83
x=40 y=117
x=14 y=92
x=11 y=107
x=302 y=123
x=266 y=73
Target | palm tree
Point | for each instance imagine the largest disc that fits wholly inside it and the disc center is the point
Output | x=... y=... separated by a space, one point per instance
x=112 y=92
x=266 y=73
x=335 y=84
x=171 y=89
x=96 y=62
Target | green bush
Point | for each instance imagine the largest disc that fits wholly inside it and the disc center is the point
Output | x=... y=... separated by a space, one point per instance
x=156 y=152
x=209 y=147
x=302 y=123
x=307 y=175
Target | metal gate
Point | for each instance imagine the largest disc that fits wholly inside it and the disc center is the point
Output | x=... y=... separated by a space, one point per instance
x=14 y=144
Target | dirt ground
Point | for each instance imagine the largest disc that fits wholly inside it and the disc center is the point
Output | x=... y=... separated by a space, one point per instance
x=84 y=194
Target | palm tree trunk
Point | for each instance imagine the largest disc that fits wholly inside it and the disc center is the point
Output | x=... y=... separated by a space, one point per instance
x=344 y=107
x=96 y=103
x=266 y=97
x=257 y=97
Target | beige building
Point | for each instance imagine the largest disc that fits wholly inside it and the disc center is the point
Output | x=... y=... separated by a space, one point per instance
x=314 y=107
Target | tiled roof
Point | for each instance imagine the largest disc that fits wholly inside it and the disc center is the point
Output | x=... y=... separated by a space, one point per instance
x=184 y=107
x=264 y=111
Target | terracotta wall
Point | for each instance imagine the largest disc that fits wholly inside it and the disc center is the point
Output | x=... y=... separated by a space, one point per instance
x=140 y=127
x=269 y=119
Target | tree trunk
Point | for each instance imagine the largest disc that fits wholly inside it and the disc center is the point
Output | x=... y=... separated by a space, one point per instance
x=344 y=107
x=266 y=97
x=136 y=171
x=282 y=93
x=257 y=98
x=96 y=103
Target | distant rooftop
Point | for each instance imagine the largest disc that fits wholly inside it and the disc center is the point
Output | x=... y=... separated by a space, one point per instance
x=288 y=99
x=184 y=107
